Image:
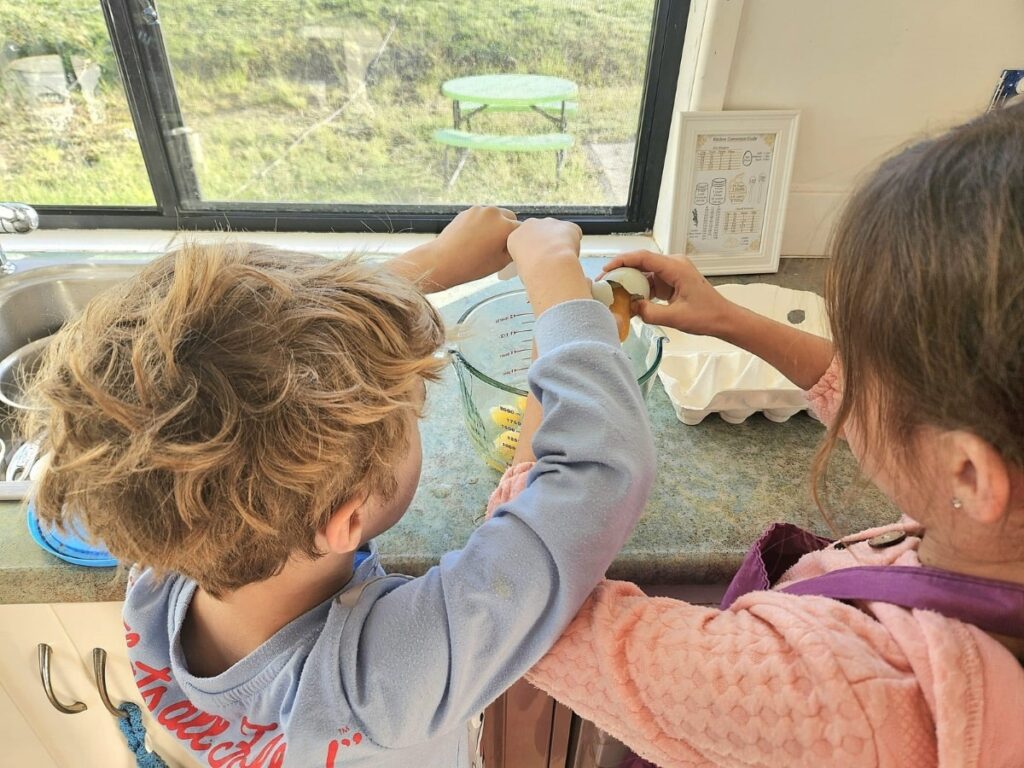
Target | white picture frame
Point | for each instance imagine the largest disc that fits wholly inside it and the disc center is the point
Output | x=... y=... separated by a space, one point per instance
x=732 y=177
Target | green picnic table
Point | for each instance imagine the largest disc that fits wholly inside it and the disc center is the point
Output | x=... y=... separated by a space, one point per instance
x=552 y=97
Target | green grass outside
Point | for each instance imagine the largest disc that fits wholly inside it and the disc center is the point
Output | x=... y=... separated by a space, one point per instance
x=244 y=70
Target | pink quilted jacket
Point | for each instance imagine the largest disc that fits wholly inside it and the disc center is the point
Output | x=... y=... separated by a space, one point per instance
x=782 y=680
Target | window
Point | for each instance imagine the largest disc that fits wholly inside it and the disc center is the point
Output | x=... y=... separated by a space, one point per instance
x=349 y=114
x=66 y=135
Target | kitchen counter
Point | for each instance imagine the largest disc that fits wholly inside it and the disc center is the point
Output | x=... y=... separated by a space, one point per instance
x=719 y=485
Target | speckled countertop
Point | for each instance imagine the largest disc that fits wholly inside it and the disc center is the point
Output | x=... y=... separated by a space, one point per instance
x=719 y=485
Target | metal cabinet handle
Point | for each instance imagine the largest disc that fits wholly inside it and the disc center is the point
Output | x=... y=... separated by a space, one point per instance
x=99 y=670
x=45 y=652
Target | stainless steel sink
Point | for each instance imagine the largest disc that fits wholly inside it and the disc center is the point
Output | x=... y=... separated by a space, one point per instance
x=34 y=304
x=37 y=302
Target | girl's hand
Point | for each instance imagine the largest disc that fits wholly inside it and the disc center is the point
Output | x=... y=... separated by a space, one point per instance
x=694 y=306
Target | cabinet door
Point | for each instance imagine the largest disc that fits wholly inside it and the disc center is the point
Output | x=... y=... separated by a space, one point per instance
x=99 y=625
x=596 y=749
x=21 y=743
x=526 y=728
x=88 y=739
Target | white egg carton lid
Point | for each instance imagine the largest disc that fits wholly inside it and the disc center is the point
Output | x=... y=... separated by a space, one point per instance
x=704 y=375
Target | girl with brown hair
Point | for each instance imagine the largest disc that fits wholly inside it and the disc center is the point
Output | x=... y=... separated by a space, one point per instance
x=899 y=646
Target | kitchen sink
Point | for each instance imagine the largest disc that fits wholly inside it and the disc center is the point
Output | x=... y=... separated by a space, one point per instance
x=36 y=303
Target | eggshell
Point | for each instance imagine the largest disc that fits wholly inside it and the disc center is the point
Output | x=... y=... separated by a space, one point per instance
x=602 y=291
x=633 y=280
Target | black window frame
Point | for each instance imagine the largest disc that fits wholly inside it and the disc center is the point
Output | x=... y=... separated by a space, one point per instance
x=145 y=70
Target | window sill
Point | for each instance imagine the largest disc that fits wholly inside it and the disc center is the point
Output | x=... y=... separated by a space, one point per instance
x=156 y=241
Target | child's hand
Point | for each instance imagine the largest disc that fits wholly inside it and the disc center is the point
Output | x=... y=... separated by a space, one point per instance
x=694 y=306
x=546 y=253
x=538 y=240
x=474 y=244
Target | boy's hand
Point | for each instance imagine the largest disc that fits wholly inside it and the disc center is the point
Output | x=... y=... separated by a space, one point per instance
x=473 y=245
x=538 y=240
x=694 y=306
x=546 y=253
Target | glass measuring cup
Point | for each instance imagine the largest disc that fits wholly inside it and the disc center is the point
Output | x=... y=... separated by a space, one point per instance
x=491 y=347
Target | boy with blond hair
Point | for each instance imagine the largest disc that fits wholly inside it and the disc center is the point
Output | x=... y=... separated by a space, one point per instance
x=241 y=421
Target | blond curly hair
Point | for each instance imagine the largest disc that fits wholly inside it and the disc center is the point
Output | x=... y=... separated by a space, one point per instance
x=206 y=417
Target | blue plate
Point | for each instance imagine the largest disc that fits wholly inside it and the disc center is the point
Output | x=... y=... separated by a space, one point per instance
x=70 y=546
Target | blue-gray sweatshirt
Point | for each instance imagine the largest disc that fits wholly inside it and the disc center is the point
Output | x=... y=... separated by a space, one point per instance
x=388 y=672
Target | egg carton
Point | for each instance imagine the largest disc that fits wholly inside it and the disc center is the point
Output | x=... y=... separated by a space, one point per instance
x=704 y=375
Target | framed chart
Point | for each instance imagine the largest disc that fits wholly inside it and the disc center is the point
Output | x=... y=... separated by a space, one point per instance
x=732 y=181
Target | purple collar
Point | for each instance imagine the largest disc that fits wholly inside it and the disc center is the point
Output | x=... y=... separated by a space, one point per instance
x=990 y=605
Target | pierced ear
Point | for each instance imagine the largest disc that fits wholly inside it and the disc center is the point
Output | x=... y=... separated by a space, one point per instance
x=344 y=529
x=981 y=479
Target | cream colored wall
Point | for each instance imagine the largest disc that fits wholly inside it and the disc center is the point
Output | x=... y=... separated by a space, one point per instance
x=869 y=76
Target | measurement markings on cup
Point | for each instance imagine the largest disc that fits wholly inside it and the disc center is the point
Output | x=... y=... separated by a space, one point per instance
x=513 y=316
x=515 y=352
x=521 y=355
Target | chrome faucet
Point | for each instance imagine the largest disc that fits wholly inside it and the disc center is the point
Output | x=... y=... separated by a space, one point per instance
x=15 y=219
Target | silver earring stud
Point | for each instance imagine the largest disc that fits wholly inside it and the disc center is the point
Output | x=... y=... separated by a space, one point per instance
x=957 y=504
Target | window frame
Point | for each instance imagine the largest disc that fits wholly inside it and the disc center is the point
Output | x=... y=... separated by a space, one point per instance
x=152 y=101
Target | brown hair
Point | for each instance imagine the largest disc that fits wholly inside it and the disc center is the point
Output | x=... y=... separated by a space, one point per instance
x=206 y=417
x=925 y=292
